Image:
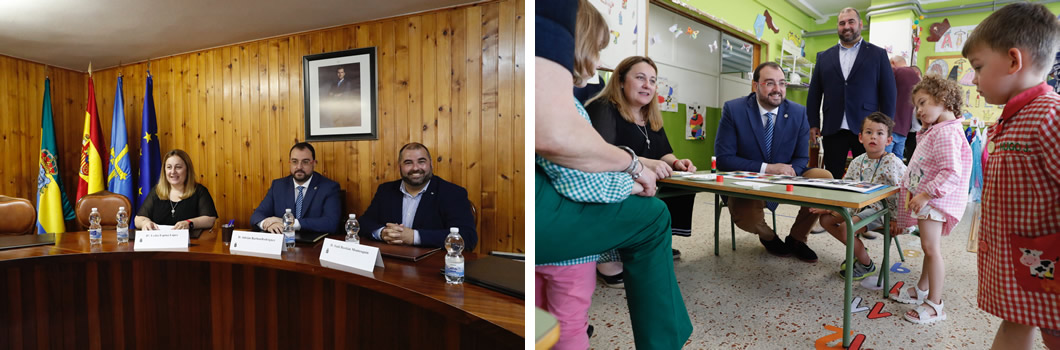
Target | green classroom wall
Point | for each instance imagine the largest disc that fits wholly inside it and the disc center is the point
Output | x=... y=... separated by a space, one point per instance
x=788 y=18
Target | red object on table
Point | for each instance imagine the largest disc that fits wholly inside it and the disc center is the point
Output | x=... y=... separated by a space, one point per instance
x=791 y=188
x=719 y=178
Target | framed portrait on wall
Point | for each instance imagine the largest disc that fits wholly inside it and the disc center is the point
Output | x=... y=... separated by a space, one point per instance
x=340 y=95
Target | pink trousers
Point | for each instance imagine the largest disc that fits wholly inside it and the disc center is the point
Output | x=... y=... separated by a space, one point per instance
x=567 y=292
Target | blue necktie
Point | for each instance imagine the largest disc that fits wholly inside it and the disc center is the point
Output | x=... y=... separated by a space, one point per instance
x=298 y=202
x=769 y=136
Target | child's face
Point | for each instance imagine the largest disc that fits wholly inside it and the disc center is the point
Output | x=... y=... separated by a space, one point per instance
x=928 y=108
x=874 y=136
x=994 y=76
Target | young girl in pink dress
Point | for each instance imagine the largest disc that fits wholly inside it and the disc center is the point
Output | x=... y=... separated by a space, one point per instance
x=934 y=190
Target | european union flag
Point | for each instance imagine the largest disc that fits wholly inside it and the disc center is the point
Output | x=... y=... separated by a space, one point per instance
x=119 y=178
x=150 y=164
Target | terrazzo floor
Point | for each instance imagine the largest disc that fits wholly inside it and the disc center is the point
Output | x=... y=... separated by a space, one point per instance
x=748 y=299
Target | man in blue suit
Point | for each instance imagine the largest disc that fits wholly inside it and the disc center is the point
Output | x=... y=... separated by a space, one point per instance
x=855 y=79
x=420 y=208
x=766 y=133
x=313 y=198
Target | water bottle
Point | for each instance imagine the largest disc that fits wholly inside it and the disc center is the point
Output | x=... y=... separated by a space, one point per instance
x=454 y=261
x=288 y=230
x=123 y=225
x=95 y=231
x=352 y=228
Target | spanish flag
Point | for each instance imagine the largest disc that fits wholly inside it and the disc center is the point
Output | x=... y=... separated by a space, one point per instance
x=90 y=178
x=52 y=206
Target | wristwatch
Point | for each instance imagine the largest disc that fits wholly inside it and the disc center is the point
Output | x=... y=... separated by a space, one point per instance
x=632 y=169
x=191 y=224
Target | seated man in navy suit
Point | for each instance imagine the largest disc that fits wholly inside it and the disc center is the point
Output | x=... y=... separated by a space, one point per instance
x=420 y=208
x=313 y=198
x=766 y=133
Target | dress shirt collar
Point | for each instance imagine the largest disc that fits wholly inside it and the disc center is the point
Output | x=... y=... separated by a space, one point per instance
x=406 y=192
x=856 y=46
x=306 y=184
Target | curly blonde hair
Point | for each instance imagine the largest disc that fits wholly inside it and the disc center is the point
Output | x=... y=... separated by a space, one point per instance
x=946 y=92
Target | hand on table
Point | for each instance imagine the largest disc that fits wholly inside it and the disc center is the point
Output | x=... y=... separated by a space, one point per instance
x=780 y=169
x=272 y=225
x=397 y=234
x=684 y=165
x=660 y=168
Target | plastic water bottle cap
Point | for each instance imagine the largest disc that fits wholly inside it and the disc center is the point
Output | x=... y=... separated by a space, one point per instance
x=454 y=230
x=121 y=208
x=288 y=210
x=94 y=210
x=353 y=216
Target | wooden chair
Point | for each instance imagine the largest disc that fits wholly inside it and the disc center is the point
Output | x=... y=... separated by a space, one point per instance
x=107 y=203
x=20 y=217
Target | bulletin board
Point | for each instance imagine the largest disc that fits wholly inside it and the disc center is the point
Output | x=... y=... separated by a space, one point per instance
x=626 y=20
x=958 y=69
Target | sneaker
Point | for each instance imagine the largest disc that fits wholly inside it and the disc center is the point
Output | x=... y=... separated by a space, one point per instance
x=870 y=235
x=776 y=247
x=860 y=271
x=677 y=253
x=612 y=281
x=683 y=232
x=817 y=228
x=590 y=331
x=801 y=250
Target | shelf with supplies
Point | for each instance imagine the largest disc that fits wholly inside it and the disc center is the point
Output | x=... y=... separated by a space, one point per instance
x=792 y=61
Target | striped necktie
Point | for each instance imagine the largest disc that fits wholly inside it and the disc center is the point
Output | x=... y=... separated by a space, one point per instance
x=298 y=202
x=769 y=136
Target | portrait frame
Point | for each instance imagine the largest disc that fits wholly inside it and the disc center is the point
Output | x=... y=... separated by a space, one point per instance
x=341 y=95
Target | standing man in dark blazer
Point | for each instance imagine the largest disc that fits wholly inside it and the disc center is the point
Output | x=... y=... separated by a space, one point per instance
x=855 y=79
x=766 y=133
x=313 y=198
x=420 y=208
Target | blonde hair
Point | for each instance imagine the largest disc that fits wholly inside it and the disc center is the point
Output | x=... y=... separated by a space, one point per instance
x=613 y=93
x=945 y=92
x=1031 y=27
x=590 y=38
x=162 y=188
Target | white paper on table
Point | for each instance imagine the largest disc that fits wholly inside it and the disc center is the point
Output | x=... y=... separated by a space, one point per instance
x=164 y=227
x=754 y=185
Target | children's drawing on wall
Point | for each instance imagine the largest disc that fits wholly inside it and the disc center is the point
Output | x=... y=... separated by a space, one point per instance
x=952 y=40
x=1054 y=74
x=958 y=69
x=694 y=129
x=667 y=93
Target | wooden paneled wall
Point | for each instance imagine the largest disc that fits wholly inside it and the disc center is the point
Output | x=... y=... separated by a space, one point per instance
x=21 y=103
x=451 y=79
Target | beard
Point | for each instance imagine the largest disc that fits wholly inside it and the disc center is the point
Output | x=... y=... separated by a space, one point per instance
x=300 y=175
x=767 y=100
x=849 y=36
x=407 y=178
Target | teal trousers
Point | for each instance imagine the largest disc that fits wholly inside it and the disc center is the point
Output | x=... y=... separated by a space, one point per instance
x=639 y=228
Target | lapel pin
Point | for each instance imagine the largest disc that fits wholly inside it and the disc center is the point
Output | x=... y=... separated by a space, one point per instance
x=785 y=116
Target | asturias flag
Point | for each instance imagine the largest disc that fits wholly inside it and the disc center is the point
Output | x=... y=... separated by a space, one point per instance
x=52 y=206
x=90 y=177
x=150 y=164
x=119 y=177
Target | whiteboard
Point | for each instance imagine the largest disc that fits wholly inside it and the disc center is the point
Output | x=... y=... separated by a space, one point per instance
x=627 y=24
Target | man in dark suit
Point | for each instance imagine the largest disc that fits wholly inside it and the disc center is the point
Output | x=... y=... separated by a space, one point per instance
x=766 y=133
x=855 y=79
x=420 y=208
x=313 y=198
x=342 y=86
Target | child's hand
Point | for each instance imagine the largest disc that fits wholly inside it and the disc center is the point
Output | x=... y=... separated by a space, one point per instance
x=918 y=202
x=820 y=211
x=895 y=230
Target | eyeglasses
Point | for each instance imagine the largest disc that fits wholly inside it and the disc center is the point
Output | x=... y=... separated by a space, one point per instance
x=770 y=84
x=304 y=162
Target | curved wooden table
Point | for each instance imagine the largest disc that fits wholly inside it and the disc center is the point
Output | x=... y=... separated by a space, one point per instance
x=72 y=295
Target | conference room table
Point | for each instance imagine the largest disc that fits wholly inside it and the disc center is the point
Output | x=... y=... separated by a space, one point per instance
x=803 y=196
x=71 y=294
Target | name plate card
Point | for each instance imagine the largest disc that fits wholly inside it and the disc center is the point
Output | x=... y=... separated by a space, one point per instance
x=256 y=243
x=161 y=240
x=349 y=254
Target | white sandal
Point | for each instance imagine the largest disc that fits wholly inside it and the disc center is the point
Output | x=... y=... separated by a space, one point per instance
x=921 y=310
x=904 y=297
